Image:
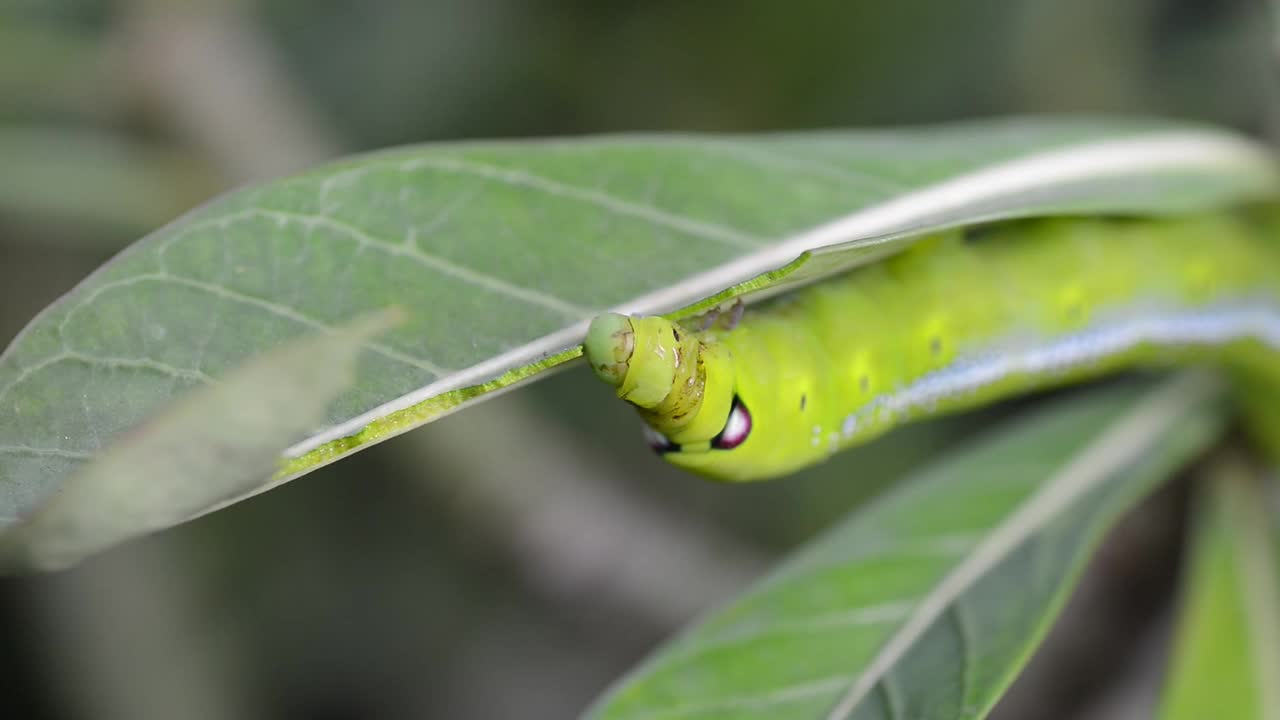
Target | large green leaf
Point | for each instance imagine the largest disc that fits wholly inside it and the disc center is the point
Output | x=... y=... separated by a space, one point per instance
x=500 y=252
x=1227 y=659
x=926 y=603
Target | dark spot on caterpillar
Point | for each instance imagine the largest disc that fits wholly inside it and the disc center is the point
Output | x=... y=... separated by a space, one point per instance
x=804 y=399
x=975 y=233
x=864 y=383
x=675 y=333
x=935 y=345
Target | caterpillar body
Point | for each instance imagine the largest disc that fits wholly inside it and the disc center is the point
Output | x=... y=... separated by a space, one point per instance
x=959 y=320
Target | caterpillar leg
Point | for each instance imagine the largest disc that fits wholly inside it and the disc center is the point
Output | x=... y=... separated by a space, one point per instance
x=726 y=321
x=735 y=314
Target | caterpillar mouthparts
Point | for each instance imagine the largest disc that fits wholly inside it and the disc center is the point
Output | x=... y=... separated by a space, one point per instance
x=611 y=340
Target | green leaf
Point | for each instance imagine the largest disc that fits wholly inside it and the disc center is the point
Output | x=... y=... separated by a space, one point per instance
x=1227 y=657
x=501 y=252
x=213 y=444
x=925 y=604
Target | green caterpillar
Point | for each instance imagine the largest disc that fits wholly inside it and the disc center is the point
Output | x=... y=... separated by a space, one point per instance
x=959 y=320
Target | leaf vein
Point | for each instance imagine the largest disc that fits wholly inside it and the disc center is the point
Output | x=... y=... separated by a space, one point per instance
x=52 y=452
x=773 y=698
x=100 y=361
x=433 y=262
x=939 y=546
x=872 y=615
x=889 y=693
x=277 y=309
x=768 y=158
x=595 y=198
x=409 y=250
x=969 y=649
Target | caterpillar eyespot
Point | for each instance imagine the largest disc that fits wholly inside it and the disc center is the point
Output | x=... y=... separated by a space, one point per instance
x=958 y=321
x=736 y=428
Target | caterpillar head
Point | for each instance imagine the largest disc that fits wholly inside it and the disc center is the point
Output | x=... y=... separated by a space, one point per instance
x=682 y=385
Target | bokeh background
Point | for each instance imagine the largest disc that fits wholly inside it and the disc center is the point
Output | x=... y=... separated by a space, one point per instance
x=511 y=560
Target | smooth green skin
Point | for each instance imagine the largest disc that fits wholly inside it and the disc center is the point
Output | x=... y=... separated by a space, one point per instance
x=802 y=364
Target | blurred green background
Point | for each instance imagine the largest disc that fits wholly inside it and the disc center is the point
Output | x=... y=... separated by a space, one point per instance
x=511 y=560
